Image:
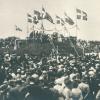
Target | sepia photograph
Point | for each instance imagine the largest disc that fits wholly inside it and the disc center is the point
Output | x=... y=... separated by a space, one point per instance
x=49 y=50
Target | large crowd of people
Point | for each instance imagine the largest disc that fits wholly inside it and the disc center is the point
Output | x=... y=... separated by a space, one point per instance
x=69 y=77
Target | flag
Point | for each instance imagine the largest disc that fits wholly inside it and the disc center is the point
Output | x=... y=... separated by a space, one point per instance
x=68 y=20
x=84 y=15
x=59 y=20
x=17 y=28
x=37 y=17
x=43 y=13
x=37 y=14
x=46 y=15
x=78 y=10
x=29 y=20
x=81 y=14
x=49 y=18
x=29 y=15
x=78 y=16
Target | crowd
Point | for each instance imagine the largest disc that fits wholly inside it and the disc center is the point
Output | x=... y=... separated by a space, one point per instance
x=71 y=77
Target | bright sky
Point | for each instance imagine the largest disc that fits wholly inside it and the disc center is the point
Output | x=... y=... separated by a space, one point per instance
x=14 y=12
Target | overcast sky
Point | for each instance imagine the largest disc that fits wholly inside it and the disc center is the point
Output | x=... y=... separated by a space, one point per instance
x=14 y=12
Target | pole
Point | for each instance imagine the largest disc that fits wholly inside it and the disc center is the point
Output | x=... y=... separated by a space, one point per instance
x=71 y=41
x=76 y=23
x=27 y=29
x=15 y=32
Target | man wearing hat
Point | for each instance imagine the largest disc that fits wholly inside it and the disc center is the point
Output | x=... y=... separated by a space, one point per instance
x=67 y=87
x=76 y=92
x=15 y=93
x=92 y=81
x=84 y=87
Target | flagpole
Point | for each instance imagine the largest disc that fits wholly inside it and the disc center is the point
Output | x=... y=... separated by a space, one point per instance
x=76 y=25
x=15 y=39
x=71 y=42
x=27 y=31
x=15 y=30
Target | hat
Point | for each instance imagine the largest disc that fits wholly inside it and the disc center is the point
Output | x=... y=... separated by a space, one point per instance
x=22 y=72
x=97 y=66
x=31 y=83
x=91 y=73
x=50 y=67
x=6 y=55
x=31 y=80
x=61 y=60
x=60 y=80
x=35 y=76
x=41 y=78
x=5 y=82
x=92 y=69
x=18 y=70
x=60 y=66
x=44 y=72
x=64 y=57
x=13 y=75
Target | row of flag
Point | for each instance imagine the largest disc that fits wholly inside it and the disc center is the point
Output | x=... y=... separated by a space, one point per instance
x=45 y=15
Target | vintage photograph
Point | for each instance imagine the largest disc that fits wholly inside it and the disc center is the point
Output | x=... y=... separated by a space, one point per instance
x=49 y=50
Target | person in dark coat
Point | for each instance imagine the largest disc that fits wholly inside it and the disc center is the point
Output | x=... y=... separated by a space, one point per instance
x=17 y=92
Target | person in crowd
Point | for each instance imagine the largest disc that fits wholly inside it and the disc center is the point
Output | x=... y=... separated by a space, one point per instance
x=71 y=80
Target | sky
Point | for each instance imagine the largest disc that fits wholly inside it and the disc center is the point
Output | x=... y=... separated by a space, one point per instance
x=14 y=12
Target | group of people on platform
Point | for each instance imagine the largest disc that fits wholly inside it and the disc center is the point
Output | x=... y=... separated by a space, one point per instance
x=41 y=37
x=62 y=77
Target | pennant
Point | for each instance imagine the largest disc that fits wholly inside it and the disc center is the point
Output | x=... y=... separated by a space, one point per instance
x=68 y=20
x=17 y=28
x=28 y=15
